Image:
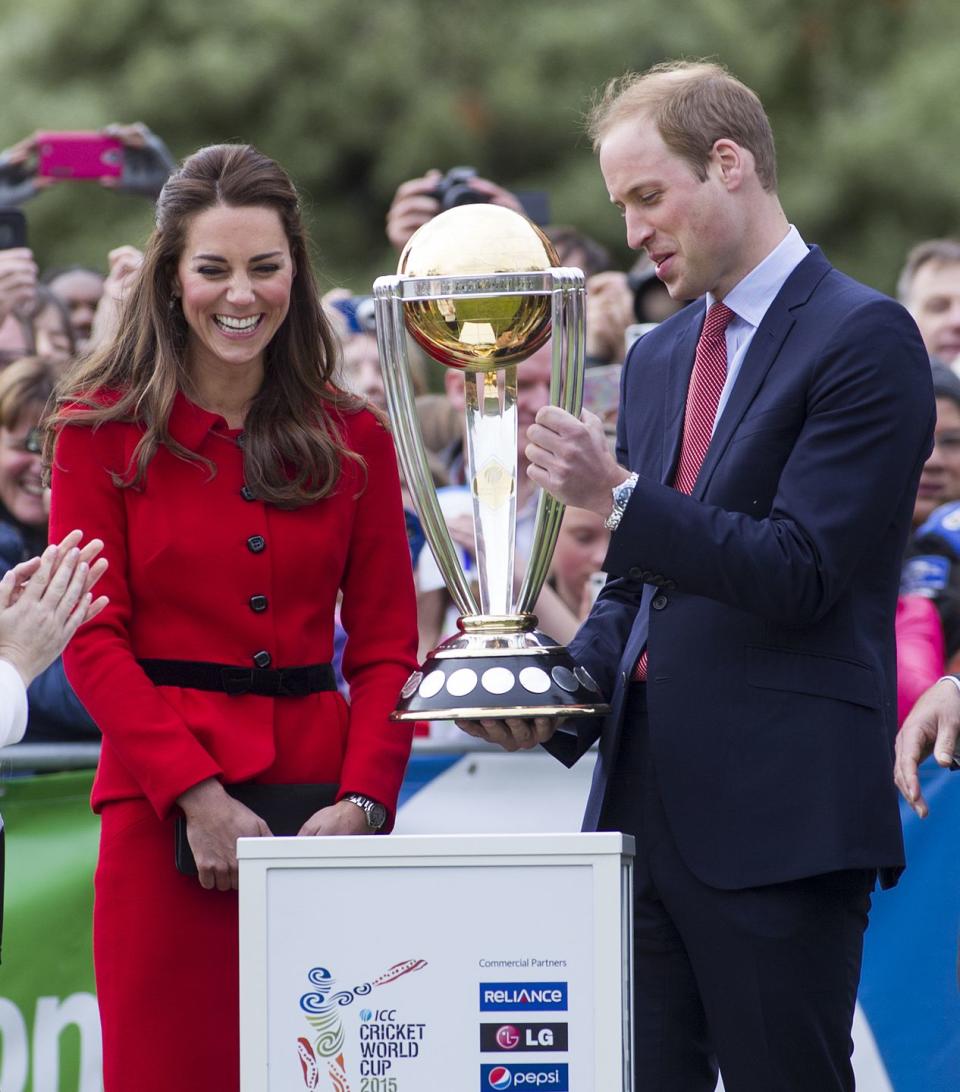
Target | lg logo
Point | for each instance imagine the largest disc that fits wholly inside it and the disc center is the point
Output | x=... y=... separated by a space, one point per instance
x=508 y=1038
x=523 y=1037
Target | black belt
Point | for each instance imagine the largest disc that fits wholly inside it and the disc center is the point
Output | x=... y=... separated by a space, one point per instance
x=281 y=682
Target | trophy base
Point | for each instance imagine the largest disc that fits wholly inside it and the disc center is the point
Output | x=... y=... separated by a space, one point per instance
x=474 y=676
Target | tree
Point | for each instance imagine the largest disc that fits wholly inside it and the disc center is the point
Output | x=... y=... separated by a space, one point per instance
x=353 y=98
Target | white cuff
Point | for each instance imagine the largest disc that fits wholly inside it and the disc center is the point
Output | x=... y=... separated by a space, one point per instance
x=951 y=678
x=13 y=704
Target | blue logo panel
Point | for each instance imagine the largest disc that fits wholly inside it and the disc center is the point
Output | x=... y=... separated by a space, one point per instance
x=547 y=1078
x=523 y=997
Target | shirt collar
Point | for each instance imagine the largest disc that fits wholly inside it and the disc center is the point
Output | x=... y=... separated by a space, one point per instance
x=190 y=423
x=750 y=298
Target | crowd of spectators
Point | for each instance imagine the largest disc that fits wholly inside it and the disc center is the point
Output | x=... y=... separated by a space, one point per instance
x=49 y=318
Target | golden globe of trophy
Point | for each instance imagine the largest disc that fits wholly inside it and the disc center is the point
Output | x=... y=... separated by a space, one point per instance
x=479 y=288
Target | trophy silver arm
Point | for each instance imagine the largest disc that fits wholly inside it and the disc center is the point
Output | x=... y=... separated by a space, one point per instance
x=566 y=391
x=392 y=346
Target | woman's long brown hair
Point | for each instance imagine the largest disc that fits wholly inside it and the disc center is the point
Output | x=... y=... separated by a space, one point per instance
x=292 y=445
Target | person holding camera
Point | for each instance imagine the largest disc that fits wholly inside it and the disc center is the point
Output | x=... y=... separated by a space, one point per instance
x=145 y=162
x=420 y=199
x=238 y=489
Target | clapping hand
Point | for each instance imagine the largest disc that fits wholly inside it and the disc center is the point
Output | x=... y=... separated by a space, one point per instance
x=44 y=601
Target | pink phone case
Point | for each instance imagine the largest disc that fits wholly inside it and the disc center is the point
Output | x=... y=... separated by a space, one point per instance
x=79 y=155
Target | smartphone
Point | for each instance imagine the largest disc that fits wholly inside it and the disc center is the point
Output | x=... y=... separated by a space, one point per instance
x=13 y=229
x=79 y=156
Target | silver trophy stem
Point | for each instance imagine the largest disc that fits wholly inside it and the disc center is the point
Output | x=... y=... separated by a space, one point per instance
x=392 y=345
x=492 y=472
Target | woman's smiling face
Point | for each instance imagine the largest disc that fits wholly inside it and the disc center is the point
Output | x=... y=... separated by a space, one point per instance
x=234 y=279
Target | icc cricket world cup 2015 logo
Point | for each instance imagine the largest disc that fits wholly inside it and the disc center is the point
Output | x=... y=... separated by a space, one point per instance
x=321 y=1006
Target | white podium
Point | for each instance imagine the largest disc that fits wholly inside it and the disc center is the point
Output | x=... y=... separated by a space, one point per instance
x=436 y=963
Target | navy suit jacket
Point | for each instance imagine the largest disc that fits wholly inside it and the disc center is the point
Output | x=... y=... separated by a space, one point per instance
x=767 y=598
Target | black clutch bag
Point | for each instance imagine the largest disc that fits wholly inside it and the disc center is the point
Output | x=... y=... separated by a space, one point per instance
x=284 y=808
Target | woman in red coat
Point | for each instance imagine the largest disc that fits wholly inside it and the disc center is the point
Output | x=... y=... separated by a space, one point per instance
x=237 y=489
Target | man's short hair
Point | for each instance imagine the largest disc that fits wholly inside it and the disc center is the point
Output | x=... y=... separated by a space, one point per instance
x=693 y=104
x=941 y=251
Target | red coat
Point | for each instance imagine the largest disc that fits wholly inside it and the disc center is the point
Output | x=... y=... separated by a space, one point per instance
x=186 y=559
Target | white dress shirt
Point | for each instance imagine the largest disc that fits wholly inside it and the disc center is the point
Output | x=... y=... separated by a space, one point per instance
x=749 y=301
x=13 y=704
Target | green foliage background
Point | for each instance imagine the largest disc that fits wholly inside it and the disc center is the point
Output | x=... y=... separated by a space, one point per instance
x=354 y=96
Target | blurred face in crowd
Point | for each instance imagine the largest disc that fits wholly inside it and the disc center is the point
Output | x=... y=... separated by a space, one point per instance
x=53 y=339
x=361 y=368
x=234 y=279
x=21 y=489
x=581 y=547
x=691 y=229
x=80 y=290
x=940 y=480
x=934 y=302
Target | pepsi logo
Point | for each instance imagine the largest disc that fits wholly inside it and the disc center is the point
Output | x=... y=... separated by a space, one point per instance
x=500 y=1077
x=508 y=1037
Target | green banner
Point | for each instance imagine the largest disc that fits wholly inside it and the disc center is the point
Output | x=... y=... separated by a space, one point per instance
x=49 y=1042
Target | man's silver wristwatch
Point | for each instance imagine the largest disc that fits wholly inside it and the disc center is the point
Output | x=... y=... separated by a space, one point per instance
x=621 y=494
x=376 y=813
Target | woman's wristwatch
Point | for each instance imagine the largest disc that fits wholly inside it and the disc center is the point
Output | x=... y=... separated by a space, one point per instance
x=376 y=813
x=621 y=494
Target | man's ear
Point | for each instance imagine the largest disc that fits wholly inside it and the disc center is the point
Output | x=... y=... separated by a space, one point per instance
x=732 y=162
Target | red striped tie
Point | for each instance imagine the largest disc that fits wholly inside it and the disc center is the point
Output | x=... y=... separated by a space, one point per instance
x=703 y=396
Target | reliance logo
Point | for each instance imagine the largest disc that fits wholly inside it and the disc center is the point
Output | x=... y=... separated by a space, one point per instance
x=552 y=1078
x=523 y=996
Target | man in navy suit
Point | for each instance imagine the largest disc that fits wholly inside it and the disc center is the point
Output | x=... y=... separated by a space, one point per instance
x=770 y=441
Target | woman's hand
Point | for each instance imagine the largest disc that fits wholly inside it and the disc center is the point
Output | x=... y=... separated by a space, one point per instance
x=214 y=823
x=45 y=600
x=344 y=817
x=18 y=281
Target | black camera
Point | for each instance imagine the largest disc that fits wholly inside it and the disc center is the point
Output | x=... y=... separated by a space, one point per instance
x=454 y=189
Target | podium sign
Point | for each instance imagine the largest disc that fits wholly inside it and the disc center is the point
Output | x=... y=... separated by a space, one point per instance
x=449 y=962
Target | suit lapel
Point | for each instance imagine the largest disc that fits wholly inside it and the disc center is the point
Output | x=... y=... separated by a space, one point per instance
x=675 y=393
x=764 y=349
